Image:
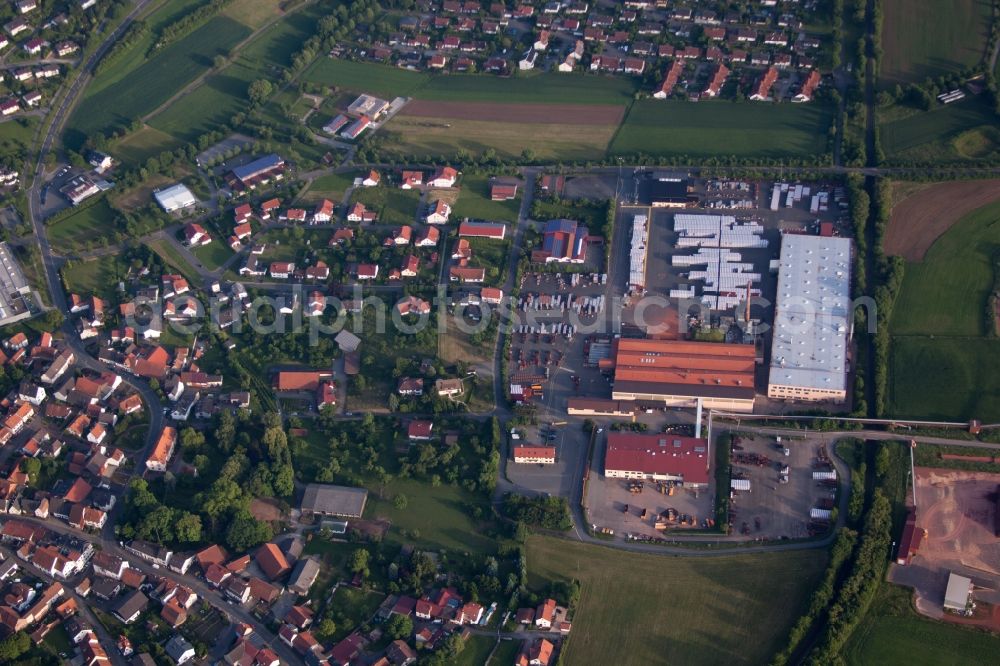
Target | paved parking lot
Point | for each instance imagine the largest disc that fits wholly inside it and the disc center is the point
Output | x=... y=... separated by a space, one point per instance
x=772 y=509
x=607 y=500
x=558 y=479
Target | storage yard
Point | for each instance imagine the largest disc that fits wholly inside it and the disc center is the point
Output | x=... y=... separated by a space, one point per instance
x=770 y=508
x=798 y=506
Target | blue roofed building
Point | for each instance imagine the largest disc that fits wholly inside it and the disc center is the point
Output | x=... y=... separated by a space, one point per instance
x=258 y=172
x=563 y=241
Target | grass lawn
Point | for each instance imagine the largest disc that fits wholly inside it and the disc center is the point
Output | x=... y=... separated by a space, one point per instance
x=656 y=610
x=960 y=131
x=439 y=514
x=214 y=254
x=892 y=633
x=591 y=215
x=947 y=292
x=331 y=186
x=506 y=653
x=175 y=259
x=720 y=129
x=945 y=378
x=139 y=146
x=91 y=226
x=17 y=134
x=393 y=205
x=352 y=607
x=477 y=651
x=931 y=38
x=474 y=201
x=434 y=137
x=94 y=277
x=143 y=89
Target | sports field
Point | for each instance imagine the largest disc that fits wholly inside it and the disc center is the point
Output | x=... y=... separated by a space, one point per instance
x=964 y=130
x=720 y=129
x=931 y=38
x=667 y=610
x=892 y=633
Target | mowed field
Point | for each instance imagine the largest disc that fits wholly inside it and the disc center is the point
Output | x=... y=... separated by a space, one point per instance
x=922 y=217
x=651 y=609
x=931 y=37
x=942 y=364
x=720 y=129
x=964 y=130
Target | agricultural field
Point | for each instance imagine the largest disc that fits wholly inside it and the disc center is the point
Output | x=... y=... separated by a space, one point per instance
x=474 y=201
x=922 y=212
x=964 y=130
x=946 y=293
x=147 y=87
x=939 y=326
x=373 y=78
x=945 y=378
x=547 y=88
x=212 y=103
x=719 y=129
x=931 y=38
x=424 y=137
x=643 y=613
x=892 y=633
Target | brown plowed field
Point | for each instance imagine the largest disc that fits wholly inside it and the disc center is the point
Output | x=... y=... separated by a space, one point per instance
x=919 y=219
x=565 y=114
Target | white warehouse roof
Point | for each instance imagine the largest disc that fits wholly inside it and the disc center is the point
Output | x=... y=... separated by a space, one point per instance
x=175 y=197
x=813 y=316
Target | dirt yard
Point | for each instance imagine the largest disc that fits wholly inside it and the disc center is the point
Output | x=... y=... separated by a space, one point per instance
x=957 y=509
x=266 y=510
x=567 y=114
x=918 y=219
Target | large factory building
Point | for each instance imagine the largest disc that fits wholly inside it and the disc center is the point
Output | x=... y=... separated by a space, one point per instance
x=813 y=320
x=677 y=373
